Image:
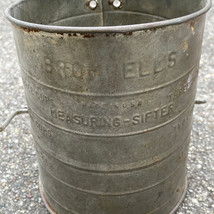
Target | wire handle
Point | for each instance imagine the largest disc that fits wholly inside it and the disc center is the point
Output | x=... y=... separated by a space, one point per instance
x=10 y=118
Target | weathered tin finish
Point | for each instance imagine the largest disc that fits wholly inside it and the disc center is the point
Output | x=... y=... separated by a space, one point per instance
x=111 y=108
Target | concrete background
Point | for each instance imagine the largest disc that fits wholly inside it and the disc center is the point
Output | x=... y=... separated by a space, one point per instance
x=18 y=165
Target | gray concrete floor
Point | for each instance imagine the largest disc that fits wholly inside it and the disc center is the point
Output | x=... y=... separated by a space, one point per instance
x=18 y=165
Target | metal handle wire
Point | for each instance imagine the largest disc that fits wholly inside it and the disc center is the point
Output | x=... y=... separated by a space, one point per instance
x=10 y=118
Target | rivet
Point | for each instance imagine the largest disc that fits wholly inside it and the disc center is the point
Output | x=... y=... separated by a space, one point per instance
x=117 y=3
x=93 y=4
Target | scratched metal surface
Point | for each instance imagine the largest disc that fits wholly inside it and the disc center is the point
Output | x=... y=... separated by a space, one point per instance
x=18 y=165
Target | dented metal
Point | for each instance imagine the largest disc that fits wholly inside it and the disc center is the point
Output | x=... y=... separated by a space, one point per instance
x=110 y=94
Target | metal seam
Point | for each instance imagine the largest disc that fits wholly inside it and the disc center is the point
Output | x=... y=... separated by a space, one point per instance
x=43 y=197
x=111 y=194
x=110 y=135
x=78 y=16
x=168 y=154
x=108 y=95
x=102 y=12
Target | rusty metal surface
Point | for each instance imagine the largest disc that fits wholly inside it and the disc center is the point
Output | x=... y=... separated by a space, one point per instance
x=111 y=115
x=52 y=211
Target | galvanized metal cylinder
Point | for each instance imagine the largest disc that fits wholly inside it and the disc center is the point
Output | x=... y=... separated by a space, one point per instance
x=110 y=87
